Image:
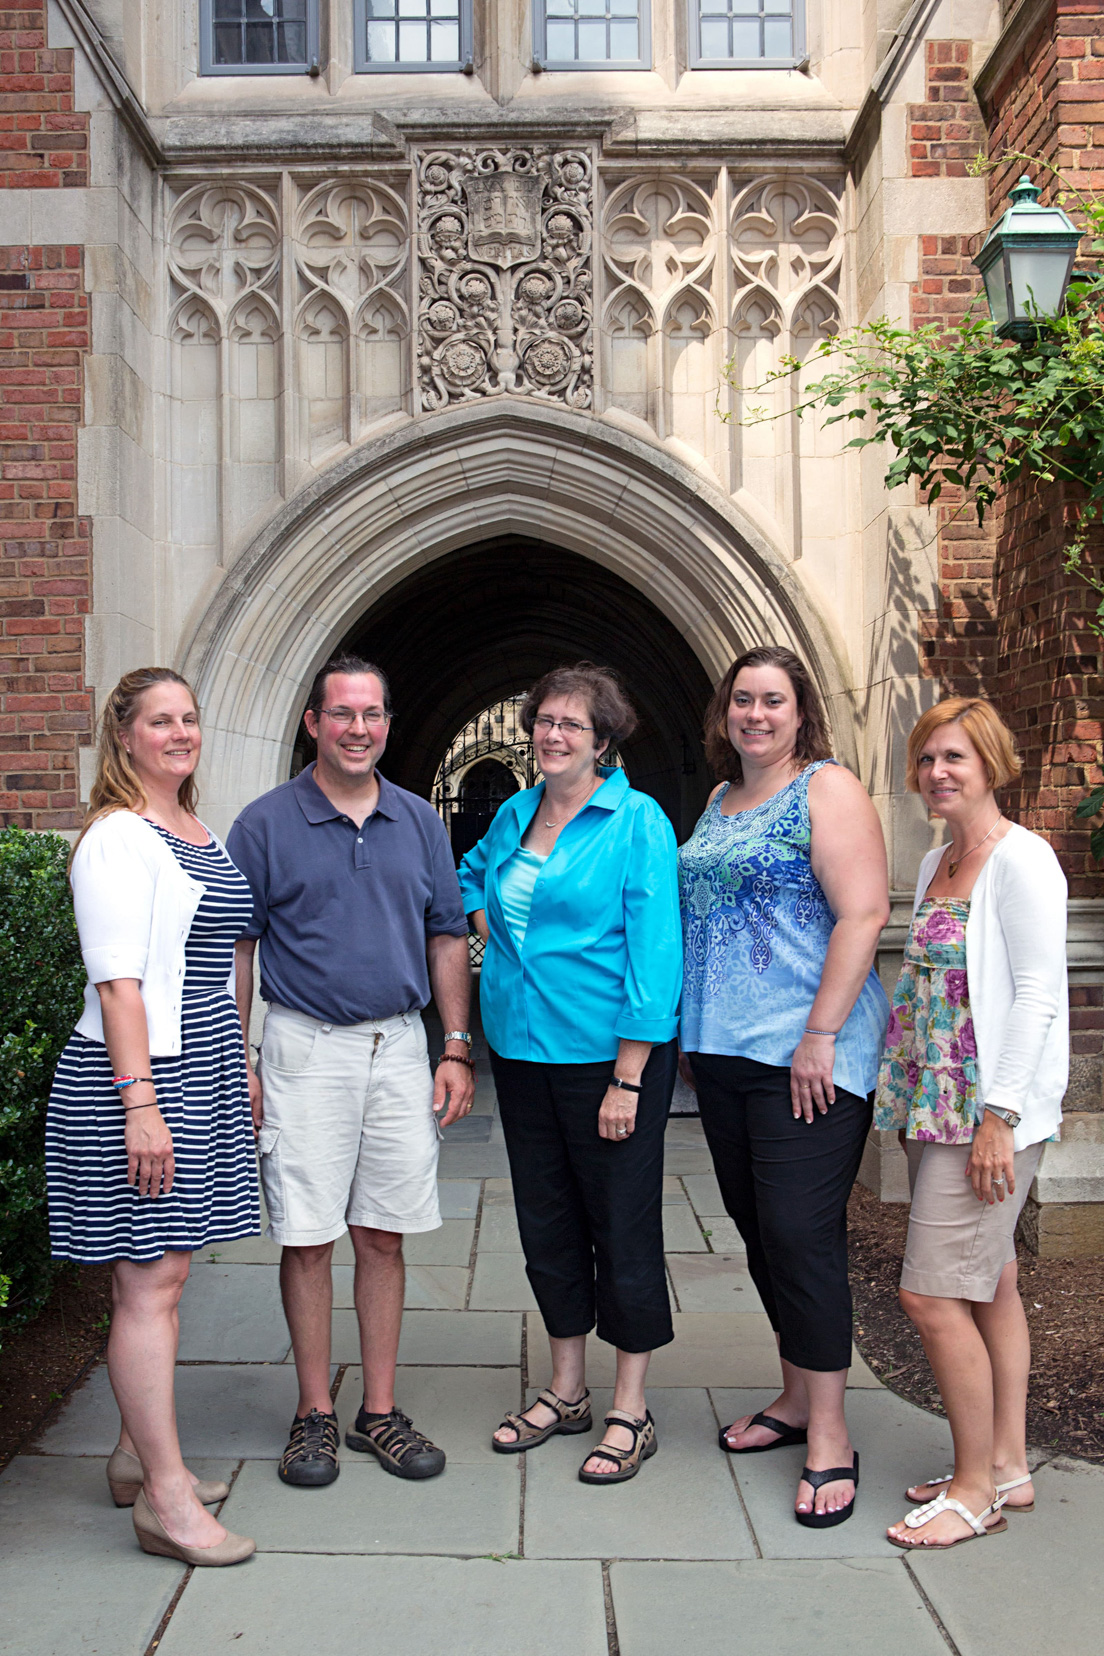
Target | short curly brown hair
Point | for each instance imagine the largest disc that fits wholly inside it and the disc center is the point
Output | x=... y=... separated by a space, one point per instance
x=813 y=741
x=611 y=712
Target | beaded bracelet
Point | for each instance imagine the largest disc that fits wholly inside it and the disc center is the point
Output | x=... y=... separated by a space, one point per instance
x=831 y=1033
x=455 y=1058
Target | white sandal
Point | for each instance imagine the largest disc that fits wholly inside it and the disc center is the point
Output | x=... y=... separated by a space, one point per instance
x=947 y=1503
x=1016 y=1483
x=1002 y=1489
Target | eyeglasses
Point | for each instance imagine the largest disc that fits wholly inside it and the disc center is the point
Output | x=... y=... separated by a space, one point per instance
x=568 y=727
x=345 y=716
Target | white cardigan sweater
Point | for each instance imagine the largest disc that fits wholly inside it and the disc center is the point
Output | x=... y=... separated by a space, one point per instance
x=134 y=906
x=1016 y=968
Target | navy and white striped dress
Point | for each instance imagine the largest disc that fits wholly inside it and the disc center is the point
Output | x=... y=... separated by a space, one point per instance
x=95 y=1215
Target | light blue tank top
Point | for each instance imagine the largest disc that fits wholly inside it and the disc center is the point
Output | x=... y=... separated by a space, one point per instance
x=516 y=882
x=756 y=925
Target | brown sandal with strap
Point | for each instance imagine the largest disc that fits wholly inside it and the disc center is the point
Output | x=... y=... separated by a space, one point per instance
x=644 y=1446
x=570 y=1418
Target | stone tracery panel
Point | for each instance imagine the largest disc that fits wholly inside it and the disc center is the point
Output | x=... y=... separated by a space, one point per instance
x=659 y=240
x=504 y=282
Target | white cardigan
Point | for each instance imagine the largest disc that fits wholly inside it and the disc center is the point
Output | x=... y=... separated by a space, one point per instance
x=1016 y=969
x=134 y=906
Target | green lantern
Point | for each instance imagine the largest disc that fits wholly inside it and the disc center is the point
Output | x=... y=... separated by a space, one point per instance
x=1025 y=263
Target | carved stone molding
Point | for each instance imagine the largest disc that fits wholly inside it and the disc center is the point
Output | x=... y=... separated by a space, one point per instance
x=224 y=243
x=505 y=282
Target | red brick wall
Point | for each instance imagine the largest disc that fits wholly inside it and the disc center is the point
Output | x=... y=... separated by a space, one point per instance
x=947 y=131
x=43 y=140
x=45 y=549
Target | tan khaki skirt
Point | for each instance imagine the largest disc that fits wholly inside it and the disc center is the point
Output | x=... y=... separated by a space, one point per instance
x=957 y=1246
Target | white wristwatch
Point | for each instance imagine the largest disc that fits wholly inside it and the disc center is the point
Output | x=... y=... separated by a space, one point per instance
x=458 y=1035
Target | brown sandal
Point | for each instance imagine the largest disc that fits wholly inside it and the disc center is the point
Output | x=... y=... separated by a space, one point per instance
x=570 y=1418
x=644 y=1447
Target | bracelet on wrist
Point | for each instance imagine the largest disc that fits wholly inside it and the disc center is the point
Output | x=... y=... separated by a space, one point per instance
x=626 y=1086
x=456 y=1058
x=831 y=1033
x=129 y=1108
x=122 y=1082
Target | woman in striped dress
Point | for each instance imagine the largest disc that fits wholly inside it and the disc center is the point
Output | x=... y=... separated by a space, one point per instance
x=149 y=1148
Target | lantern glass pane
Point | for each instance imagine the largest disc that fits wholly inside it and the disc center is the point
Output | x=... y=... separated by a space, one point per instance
x=995 y=292
x=1038 y=278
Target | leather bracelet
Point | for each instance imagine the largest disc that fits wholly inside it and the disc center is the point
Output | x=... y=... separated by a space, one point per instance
x=626 y=1086
x=128 y=1108
x=455 y=1058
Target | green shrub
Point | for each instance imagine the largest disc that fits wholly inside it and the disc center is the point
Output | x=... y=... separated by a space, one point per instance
x=41 y=984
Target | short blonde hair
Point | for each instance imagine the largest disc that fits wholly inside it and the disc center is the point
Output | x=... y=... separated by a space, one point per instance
x=982 y=724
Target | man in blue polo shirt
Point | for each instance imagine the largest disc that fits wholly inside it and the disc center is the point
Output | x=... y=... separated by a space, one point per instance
x=357 y=909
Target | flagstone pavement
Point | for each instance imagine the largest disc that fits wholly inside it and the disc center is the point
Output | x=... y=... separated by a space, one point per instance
x=512 y=1556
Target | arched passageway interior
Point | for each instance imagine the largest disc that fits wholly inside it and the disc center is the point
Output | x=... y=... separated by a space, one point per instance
x=484 y=623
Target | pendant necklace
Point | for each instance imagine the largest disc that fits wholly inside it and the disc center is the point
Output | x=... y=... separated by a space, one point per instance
x=954 y=866
x=578 y=808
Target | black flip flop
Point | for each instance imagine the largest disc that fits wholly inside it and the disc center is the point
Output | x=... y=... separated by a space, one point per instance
x=786 y=1435
x=828 y=1520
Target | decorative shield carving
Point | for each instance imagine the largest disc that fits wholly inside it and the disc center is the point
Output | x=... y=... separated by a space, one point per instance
x=504 y=275
x=504 y=217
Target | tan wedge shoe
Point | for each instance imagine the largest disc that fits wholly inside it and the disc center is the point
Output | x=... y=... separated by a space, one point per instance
x=154 y=1538
x=124 y=1476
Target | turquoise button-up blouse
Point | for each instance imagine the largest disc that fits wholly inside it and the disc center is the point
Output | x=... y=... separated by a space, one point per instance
x=602 y=956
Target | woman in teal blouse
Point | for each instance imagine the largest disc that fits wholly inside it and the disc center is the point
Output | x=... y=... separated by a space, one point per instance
x=574 y=890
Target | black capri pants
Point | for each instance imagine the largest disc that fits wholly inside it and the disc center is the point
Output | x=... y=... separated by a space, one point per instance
x=786 y=1185
x=589 y=1209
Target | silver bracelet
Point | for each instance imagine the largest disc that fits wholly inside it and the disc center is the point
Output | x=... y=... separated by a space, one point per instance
x=832 y=1033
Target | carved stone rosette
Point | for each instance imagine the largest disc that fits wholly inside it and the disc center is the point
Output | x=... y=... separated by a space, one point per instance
x=504 y=282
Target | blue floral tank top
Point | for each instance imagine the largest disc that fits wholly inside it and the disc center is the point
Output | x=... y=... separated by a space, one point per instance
x=756 y=925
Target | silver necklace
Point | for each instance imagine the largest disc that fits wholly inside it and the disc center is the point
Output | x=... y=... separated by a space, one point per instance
x=548 y=823
x=954 y=866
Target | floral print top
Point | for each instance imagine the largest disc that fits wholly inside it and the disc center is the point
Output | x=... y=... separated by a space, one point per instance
x=928 y=1079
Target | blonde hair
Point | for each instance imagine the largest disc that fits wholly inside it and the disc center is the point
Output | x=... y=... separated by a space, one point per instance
x=116 y=786
x=982 y=724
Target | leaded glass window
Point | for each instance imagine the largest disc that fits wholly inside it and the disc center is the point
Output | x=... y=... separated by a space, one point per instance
x=747 y=32
x=258 y=37
x=412 y=34
x=592 y=34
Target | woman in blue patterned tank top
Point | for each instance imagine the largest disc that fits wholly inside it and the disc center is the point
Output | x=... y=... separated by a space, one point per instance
x=784 y=893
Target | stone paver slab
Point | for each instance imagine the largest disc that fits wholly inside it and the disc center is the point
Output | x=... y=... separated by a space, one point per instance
x=897 y=1444
x=459 y=1198
x=682 y=1160
x=468 y=1510
x=722 y=1235
x=233 y=1314
x=283 y=1606
x=248 y=1250
x=498 y=1228
x=709 y=1349
x=458 y=1408
x=682 y=1505
x=469 y=1339
x=681 y=1231
x=223 y=1410
x=705 y=1194
x=473 y=1161
x=763 y=1606
x=72 y=1577
x=712 y=1282
x=428 y=1287
x=451 y=1244
x=500 y=1283
x=1036 y=1587
x=672 y=1189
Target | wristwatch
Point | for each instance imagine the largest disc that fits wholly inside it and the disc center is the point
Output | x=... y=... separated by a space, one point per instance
x=1008 y=1116
x=458 y=1035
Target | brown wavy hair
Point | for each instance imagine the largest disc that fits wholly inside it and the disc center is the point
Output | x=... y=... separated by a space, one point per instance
x=116 y=786
x=611 y=712
x=813 y=740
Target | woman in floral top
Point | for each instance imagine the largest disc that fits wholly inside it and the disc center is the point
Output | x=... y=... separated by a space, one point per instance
x=975 y=1066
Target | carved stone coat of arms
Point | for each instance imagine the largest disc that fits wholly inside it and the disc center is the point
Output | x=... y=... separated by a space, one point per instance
x=505 y=286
